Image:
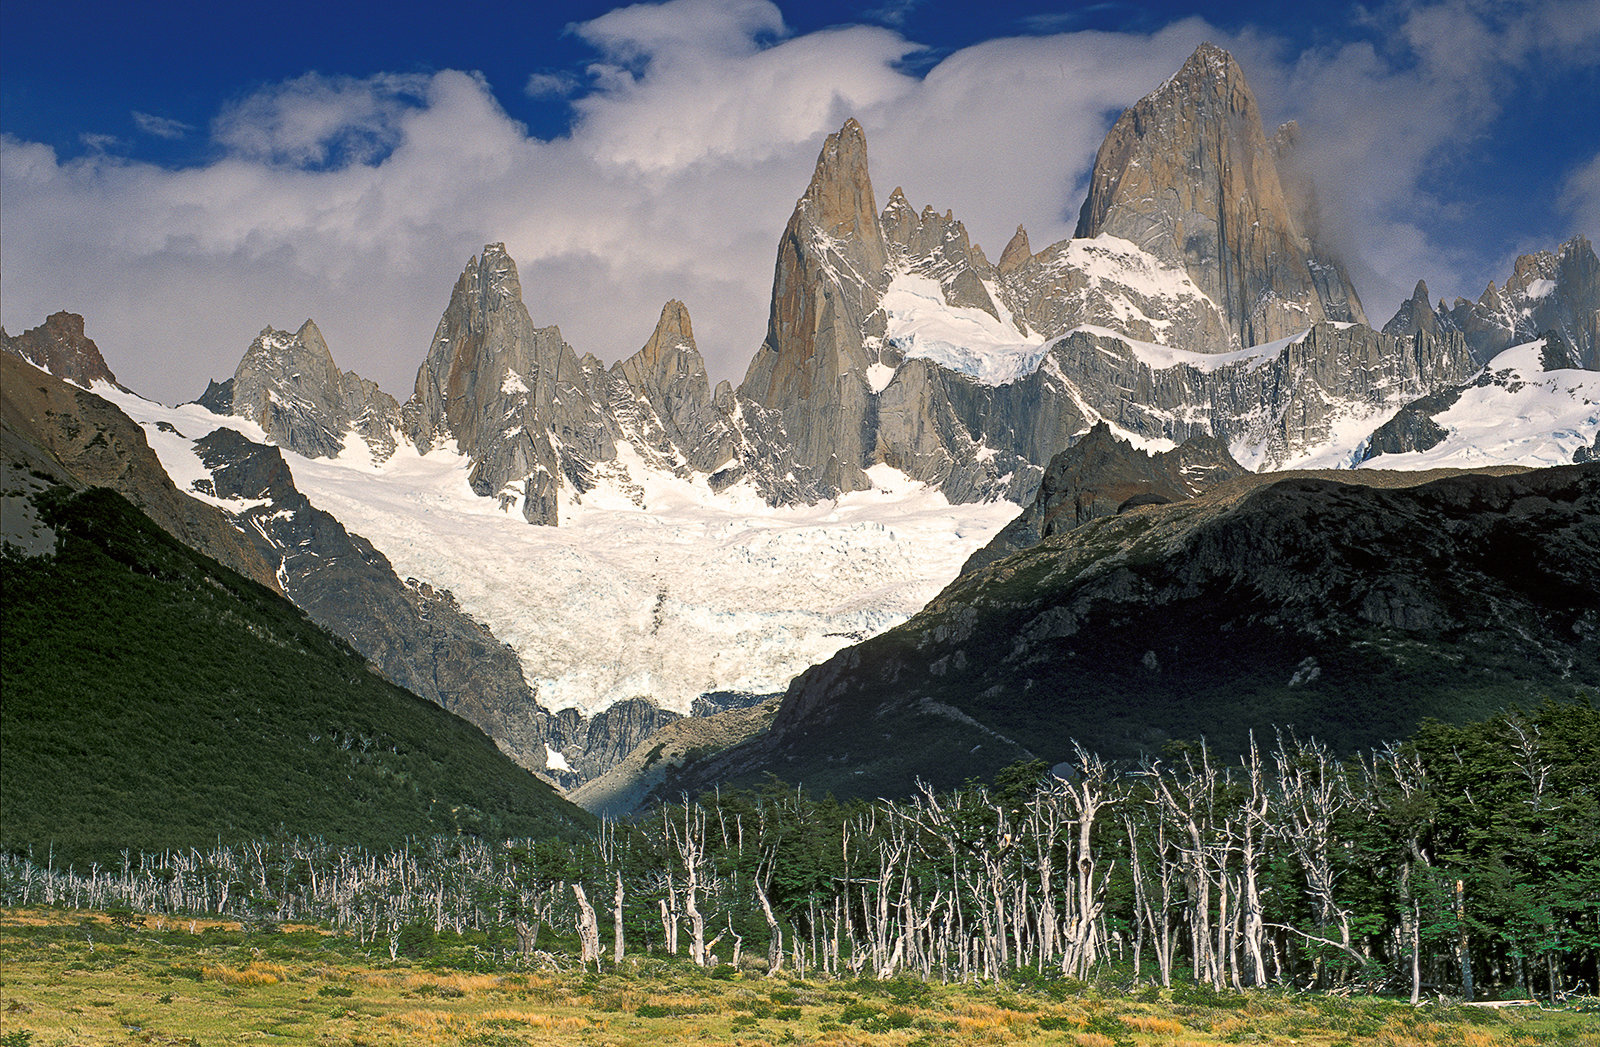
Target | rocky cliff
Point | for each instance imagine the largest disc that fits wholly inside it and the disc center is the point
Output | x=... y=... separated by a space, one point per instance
x=96 y=445
x=288 y=384
x=1101 y=475
x=1547 y=291
x=60 y=346
x=414 y=635
x=830 y=273
x=1188 y=174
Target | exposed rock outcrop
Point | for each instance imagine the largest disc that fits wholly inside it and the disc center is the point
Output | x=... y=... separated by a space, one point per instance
x=830 y=274
x=97 y=445
x=1532 y=402
x=413 y=634
x=1201 y=618
x=1188 y=174
x=514 y=397
x=288 y=384
x=1546 y=291
x=60 y=346
x=1101 y=475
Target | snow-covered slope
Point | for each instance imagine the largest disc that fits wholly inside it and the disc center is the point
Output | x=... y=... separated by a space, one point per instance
x=1513 y=412
x=692 y=592
x=965 y=339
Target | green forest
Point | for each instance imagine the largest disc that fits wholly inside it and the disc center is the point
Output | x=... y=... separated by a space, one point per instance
x=1463 y=862
x=155 y=699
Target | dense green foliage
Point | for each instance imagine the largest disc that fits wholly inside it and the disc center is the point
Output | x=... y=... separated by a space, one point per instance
x=154 y=699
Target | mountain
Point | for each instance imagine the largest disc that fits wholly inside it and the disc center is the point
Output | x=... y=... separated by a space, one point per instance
x=699 y=539
x=1532 y=402
x=1546 y=291
x=60 y=346
x=289 y=386
x=1188 y=175
x=46 y=419
x=1349 y=606
x=156 y=699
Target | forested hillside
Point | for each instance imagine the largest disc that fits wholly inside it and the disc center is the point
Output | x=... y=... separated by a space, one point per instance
x=155 y=699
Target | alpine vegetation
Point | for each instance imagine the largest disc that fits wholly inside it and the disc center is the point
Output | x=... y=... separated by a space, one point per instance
x=1462 y=861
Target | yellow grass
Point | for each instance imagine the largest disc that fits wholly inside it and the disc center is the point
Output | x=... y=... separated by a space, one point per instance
x=254 y=974
x=1149 y=1023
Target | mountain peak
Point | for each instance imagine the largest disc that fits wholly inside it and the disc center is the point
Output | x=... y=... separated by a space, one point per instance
x=290 y=386
x=60 y=346
x=673 y=331
x=1016 y=253
x=839 y=200
x=1188 y=175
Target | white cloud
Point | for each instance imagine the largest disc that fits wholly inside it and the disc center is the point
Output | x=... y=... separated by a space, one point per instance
x=1580 y=198
x=356 y=201
x=320 y=120
x=1385 y=124
x=550 y=85
x=160 y=126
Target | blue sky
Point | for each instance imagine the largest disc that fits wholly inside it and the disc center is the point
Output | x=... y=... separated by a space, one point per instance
x=184 y=174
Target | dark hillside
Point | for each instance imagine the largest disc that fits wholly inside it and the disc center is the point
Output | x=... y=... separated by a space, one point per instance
x=154 y=698
x=1346 y=611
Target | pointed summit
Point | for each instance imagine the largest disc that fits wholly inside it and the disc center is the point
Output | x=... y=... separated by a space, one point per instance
x=830 y=274
x=839 y=201
x=289 y=385
x=1017 y=252
x=1415 y=314
x=670 y=375
x=669 y=358
x=1188 y=174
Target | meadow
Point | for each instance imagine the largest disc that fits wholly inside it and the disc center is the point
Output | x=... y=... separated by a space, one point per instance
x=70 y=977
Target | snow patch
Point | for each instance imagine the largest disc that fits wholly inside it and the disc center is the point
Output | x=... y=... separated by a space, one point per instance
x=1161 y=357
x=1538 y=289
x=964 y=339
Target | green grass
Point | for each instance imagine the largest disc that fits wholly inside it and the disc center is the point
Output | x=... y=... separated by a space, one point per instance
x=74 y=978
x=155 y=699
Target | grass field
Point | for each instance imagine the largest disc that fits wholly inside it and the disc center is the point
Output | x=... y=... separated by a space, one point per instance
x=82 y=979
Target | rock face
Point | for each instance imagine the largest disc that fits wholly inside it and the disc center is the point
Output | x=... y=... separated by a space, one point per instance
x=830 y=273
x=591 y=746
x=60 y=346
x=1101 y=475
x=515 y=398
x=1546 y=291
x=1189 y=176
x=1349 y=609
x=289 y=385
x=415 y=636
x=96 y=445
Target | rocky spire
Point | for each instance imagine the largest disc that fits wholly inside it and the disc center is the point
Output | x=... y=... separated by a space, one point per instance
x=670 y=374
x=60 y=346
x=830 y=274
x=1415 y=314
x=288 y=384
x=1188 y=174
x=500 y=387
x=1547 y=291
x=1016 y=254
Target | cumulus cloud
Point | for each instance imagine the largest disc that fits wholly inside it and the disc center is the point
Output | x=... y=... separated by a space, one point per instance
x=357 y=201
